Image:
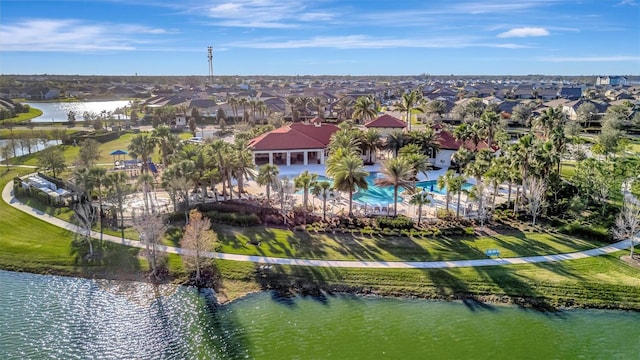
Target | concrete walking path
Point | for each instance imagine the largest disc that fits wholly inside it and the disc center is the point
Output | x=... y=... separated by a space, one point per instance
x=7 y=196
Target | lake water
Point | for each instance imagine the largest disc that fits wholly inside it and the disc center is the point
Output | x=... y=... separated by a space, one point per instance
x=23 y=151
x=50 y=317
x=57 y=111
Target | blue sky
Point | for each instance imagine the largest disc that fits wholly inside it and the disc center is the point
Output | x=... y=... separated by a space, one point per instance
x=315 y=37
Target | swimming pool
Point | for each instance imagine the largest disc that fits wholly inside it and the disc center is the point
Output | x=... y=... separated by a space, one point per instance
x=383 y=195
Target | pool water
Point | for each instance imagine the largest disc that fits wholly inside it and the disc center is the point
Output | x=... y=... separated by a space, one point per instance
x=383 y=195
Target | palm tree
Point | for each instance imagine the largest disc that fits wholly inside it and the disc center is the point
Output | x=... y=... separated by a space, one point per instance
x=364 y=108
x=98 y=176
x=166 y=141
x=319 y=103
x=321 y=189
x=477 y=169
x=409 y=103
x=395 y=141
x=146 y=181
x=344 y=106
x=346 y=139
x=437 y=107
x=142 y=146
x=220 y=150
x=371 y=142
x=348 y=174
x=291 y=101
x=522 y=154
x=497 y=173
x=268 y=177
x=420 y=199
x=488 y=124
x=242 y=166
x=116 y=183
x=445 y=181
x=548 y=120
x=305 y=181
x=233 y=103
x=466 y=132
x=456 y=186
x=303 y=102
x=428 y=141
x=399 y=173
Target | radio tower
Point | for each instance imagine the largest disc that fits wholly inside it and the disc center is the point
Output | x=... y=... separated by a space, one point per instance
x=210 y=56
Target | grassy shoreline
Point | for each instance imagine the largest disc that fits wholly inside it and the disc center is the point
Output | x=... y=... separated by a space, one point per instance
x=599 y=282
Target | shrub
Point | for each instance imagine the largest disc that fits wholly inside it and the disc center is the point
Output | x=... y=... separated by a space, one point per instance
x=400 y=222
x=586 y=231
x=236 y=219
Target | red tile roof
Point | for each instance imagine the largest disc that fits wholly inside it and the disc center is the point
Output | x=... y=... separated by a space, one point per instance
x=296 y=136
x=448 y=142
x=386 y=121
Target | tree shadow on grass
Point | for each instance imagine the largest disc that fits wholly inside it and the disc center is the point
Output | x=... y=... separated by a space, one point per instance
x=449 y=287
x=108 y=257
x=519 y=291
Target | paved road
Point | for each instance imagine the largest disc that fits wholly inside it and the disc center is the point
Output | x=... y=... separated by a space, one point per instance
x=7 y=196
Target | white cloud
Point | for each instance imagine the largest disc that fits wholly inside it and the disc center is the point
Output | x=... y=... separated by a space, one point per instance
x=368 y=42
x=70 y=35
x=615 y=58
x=264 y=14
x=524 y=32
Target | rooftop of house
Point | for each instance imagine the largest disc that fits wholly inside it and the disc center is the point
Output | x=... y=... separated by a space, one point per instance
x=296 y=136
x=386 y=121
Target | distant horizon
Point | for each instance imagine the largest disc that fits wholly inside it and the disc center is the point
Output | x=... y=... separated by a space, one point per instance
x=341 y=37
x=336 y=75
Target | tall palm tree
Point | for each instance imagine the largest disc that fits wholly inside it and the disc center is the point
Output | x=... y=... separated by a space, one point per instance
x=268 y=177
x=409 y=103
x=445 y=181
x=243 y=166
x=318 y=103
x=428 y=141
x=436 y=107
x=345 y=107
x=364 y=108
x=166 y=141
x=548 y=120
x=497 y=174
x=396 y=172
x=420 y=199
x=291 y=101
x=467 y=132
x=116 y=183
x=303 y=102
x=371 y=142
x=522 y=154
x=244 y=102
x=456 y=186
x=348 y=175
x=221 y=149
x=395 y=141
x=98 y=175
x=233 y=103
x=321 y=189
x=142 y=146
x=478 y=168
x=346 y=139
x=488 y=124
x=305 y=181
x=146 y=181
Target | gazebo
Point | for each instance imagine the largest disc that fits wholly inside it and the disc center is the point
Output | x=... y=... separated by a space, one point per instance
x=118 y=158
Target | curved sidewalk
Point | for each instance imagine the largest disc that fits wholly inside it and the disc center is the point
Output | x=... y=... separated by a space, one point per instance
x=7 y=196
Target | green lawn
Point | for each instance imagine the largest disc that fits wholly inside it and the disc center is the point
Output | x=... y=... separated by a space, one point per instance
x=33 y=113
x=299 y=244
x=29 y=244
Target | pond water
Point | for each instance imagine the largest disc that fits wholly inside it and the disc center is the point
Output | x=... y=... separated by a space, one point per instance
x=57 y=111
x=23 y=151
x=52 y=317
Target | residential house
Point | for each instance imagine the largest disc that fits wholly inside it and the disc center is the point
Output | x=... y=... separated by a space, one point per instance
x=611 y=80
x=386 y=124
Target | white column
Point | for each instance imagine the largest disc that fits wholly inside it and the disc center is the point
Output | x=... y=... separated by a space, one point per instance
x=321 y=156
x=288 y=158
x=306 y=157
x=270 y=157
